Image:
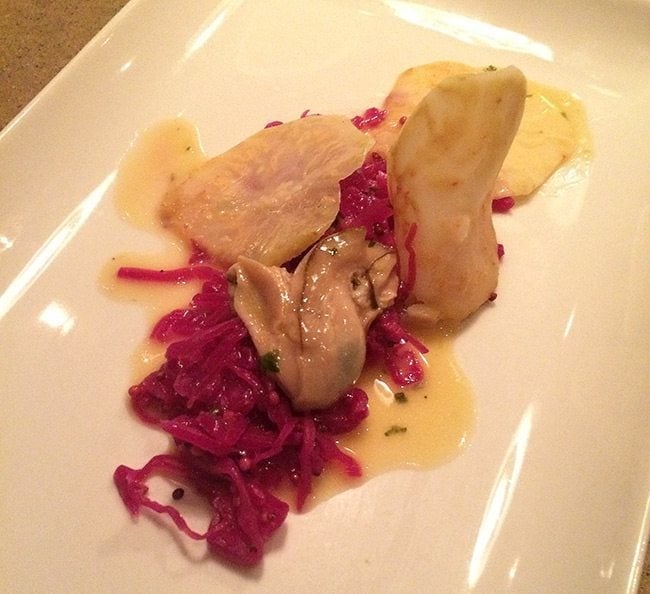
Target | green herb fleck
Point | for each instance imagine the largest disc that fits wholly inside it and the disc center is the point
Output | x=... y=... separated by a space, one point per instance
x=400 y=397
x=491 y=68
x=394 y=429
x=271 y=361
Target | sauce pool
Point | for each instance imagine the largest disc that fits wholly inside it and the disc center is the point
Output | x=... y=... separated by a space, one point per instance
x=423 y=427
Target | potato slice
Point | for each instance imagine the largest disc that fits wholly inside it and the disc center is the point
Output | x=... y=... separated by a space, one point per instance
x=552 y=127
x=271 y=196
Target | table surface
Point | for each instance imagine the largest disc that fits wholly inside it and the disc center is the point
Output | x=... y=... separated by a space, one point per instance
x=34 y=47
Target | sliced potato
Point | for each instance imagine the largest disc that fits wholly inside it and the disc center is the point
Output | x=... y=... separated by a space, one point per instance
x=271 y=196
x=552 y=127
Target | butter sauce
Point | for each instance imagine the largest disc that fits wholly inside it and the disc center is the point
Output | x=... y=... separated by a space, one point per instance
x=438 y=415
x=417 y=428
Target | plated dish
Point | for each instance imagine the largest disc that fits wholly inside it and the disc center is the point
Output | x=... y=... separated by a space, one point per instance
x=470 y=524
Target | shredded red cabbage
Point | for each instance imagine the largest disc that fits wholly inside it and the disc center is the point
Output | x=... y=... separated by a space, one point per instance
x=178 y=275
x=365 y=202
x=235 y=437
x=500 y=251
x=502 y=205
x=371 y=117
x=390 y=345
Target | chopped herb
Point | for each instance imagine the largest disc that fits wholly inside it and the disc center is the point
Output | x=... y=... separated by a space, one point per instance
x=394 y=429
x=491 y=68
x=400 y=397
x=271 y=361
x=564 y=115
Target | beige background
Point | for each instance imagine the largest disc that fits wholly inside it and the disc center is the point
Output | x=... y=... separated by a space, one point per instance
x=39 y=37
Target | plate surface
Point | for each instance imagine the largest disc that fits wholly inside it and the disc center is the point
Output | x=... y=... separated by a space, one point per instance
x=552 y=494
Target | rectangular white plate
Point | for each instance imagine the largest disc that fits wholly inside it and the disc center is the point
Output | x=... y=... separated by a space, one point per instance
x=552 y=494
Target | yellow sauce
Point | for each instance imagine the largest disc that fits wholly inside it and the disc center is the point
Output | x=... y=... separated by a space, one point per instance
x=161 y=156
x=553 y=129
x=429 y=426
x=438 y=415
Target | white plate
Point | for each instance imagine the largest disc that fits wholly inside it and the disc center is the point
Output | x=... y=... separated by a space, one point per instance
x=551 y=496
